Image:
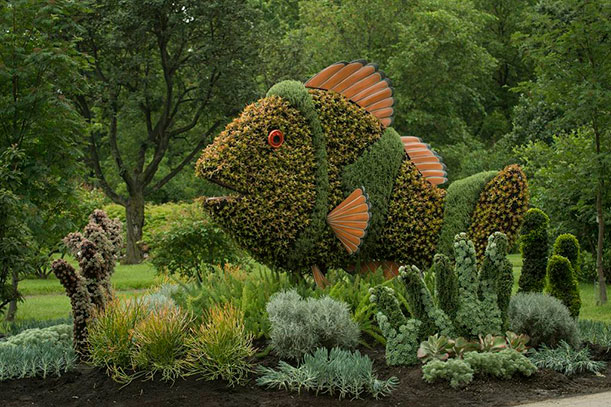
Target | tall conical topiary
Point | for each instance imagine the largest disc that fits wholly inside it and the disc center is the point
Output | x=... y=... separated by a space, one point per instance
x=535 y=248
x=563 y=283
x=568 y=246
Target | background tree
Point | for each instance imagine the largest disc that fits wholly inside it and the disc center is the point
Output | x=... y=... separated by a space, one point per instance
x=568 y=44
x=39 y=65
x=164 y=75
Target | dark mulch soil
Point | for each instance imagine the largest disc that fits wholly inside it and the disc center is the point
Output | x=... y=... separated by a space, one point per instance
x=88 y=386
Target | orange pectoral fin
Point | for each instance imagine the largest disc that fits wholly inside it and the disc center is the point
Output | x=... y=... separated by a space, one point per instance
x=350 y=219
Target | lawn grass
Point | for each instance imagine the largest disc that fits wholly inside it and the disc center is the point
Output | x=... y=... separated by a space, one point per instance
x=131 y=277
x=53 y=306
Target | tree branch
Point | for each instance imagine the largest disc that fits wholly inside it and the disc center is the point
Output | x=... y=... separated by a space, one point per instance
x=186 y=160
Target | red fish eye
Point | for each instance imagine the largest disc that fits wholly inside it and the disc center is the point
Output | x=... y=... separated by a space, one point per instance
x=275 y=138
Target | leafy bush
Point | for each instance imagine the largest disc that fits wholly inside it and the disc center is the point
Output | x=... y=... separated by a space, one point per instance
x=501 y=208
x=160 y=343
x=534 y=247
x=248 y=287
x=457 y=371
x=220 y=347
x=460 y=203
x=157 y=218
x=341 y=372
x=299 y=326
x=595 y=332
x=543 y=318
x=563 y=283
x=566 y=359
x=190 y=247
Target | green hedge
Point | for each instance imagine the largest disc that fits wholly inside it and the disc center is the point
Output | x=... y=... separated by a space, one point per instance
x=563 y=283
x=534 y=247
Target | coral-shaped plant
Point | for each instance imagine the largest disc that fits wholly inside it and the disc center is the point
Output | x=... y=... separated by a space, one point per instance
x=96 y=250
x=475 y=316
x=402 y=334
x=496 y=278
x=534 y=247
x=422 y=304
x=446 y=285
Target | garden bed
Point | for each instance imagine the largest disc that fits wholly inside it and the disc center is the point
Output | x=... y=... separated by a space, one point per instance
x=92 y=386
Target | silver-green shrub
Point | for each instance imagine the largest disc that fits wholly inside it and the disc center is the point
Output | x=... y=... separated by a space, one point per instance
x=336 y=372
x=543 y=318
x=298 y=326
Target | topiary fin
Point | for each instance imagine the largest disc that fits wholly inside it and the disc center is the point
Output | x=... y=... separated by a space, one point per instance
x=360 y=82
x=350 y=219
x=426 y=160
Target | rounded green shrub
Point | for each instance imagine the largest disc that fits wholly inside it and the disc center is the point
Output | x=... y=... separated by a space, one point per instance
x=563 y=283
x=543 y=318
x=534 y=247
x=501 y=208
x=191 y=247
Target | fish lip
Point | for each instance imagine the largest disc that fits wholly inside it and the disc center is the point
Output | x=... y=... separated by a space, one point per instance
x=224 y=198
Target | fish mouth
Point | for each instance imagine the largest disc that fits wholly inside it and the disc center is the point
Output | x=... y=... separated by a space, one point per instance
x=233 y=193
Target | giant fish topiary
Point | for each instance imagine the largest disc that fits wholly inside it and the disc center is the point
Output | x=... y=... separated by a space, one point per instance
x=320 y=180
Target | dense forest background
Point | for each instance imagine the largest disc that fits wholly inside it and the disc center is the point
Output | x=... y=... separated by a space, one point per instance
x=121 y=95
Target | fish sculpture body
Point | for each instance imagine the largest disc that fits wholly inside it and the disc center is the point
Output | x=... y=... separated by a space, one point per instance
x=320 y=180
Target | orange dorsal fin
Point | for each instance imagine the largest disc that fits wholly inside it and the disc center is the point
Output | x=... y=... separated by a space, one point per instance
x=425 y=159
x=360 y=82
x=350 y=219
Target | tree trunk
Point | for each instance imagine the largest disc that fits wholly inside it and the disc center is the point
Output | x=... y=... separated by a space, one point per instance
x=601 y=221
x=599 y=250
x=12 y=307
x=134 y=215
